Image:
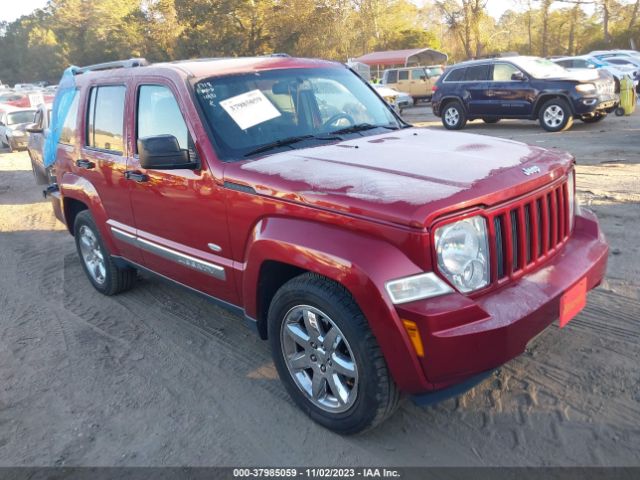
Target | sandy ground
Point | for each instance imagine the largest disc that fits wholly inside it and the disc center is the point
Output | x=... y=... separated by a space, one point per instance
x=158 y=376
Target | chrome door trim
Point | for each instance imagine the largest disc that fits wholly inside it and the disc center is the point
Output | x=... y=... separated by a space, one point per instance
x=183 y=259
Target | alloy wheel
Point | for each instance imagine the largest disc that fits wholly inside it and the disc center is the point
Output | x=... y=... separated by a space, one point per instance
x=451 y=116
x=553 y=116
x=319 y=359
x=92 y=255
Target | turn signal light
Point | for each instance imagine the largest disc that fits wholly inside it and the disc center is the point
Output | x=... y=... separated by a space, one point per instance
x=414 y=335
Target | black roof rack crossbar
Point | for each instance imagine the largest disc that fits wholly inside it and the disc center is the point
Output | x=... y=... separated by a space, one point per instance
x=131 y=63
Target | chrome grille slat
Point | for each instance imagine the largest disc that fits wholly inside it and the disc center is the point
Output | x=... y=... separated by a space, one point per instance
x=527 y=231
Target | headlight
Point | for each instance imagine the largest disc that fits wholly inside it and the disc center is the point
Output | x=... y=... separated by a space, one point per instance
x=463 y=253
x=571 y=193
x=417 y=287
x=586 y=88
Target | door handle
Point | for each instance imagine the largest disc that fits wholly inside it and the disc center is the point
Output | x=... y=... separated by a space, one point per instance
x=136 y=176
x=86 y=164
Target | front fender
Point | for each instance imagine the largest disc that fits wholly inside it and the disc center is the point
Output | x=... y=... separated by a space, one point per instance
x=360 y=263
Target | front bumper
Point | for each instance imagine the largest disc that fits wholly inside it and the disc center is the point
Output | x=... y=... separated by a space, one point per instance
x=602 y=103
x=464 y=336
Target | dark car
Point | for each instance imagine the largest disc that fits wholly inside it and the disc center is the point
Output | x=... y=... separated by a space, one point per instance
x=325 y=222
x=522 y=88
x=38 y=131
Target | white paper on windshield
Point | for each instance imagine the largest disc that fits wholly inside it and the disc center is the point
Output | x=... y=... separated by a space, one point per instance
x=250 y=109
x=36 y=99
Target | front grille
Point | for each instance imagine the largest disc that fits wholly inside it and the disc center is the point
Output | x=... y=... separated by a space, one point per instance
x=525 y=232
x=606 y=87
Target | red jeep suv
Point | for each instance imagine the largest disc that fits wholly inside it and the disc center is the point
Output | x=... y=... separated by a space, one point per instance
x=377 y=258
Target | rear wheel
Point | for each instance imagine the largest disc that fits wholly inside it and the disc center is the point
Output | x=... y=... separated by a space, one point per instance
x=106 y=277
x=453 y=116
x=327 y=357
x=555 y=115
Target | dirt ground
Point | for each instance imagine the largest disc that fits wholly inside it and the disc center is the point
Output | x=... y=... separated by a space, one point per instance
x=158 y=376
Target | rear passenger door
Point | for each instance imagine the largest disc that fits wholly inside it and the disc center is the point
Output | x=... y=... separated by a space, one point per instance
x=512 y=97
x=476 y=83
x=103 y=159
x=180 y=214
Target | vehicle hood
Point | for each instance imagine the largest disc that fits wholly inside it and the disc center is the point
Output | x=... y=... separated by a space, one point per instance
x=406 y=177
x=578 y=75
x=19 y=127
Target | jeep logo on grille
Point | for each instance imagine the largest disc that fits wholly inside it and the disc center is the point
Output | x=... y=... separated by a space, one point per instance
x=531 y=170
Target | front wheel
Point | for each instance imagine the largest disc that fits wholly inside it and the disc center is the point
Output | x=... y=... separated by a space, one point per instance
x=103 y=273
x=555 y=115
x=327 y=357
x=454 y=116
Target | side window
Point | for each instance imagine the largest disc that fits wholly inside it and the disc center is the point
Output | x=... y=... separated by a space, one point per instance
x=502 y=72
x=418 y=73
x=456 y=75
x=579 y=63
x=392 y=76
x=403 y=75
x=159 y=114
x=68 y=135
x=477 y=73
x=105 y=125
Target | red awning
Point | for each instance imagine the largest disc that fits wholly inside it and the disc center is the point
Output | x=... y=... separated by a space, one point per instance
x=412 y=56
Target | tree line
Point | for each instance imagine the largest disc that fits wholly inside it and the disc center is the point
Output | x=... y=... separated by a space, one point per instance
x=81 y=32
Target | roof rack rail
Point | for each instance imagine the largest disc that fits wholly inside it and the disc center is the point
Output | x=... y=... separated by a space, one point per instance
x=131 y=63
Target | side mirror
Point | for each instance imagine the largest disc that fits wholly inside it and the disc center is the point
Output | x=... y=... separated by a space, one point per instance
x=34 y=128
x=518 y=77
x=163 y=152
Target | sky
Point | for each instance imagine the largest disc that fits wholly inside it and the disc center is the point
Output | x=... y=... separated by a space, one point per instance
x=12 y=9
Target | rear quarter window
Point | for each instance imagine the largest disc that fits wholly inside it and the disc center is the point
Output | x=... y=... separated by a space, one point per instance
x=455 y=75
x=403 y=75
x=68 y=135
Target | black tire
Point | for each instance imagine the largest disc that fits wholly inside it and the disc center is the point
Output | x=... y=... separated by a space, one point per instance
x=40 y=178
x=560 y=118
x=377 y=396
x=490 y=120
x=595 y=119
x=619 y=112
x=116 y=279
x=454 y=116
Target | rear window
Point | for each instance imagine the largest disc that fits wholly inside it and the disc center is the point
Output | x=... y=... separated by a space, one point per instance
x=392 y=76
x=456 y=75
x=105 y=125
x=477 y=73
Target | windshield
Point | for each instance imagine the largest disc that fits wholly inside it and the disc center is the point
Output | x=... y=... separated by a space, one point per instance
x=24 y=116
x=289 y=108
x=540 y=67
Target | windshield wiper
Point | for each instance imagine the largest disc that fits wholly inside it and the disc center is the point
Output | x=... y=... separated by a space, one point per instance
x=361 y=127
x=288 y=141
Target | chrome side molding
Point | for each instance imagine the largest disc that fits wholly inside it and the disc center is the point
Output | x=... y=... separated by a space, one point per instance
x=183 y=259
